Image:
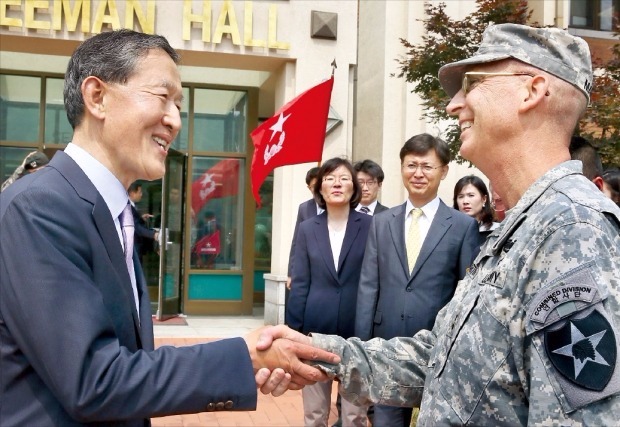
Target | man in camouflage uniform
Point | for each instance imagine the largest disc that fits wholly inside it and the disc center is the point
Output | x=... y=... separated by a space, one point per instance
x=532 y=334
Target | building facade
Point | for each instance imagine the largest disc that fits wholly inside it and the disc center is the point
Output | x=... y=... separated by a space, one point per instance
x=241 y=61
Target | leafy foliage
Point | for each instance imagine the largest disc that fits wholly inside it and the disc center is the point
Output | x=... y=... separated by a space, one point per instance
x=601 y=125
x=447 y=40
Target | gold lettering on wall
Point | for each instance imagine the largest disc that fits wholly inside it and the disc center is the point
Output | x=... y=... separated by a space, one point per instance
x=189 y=17
x=29 y=14
x=147 y=22
x=248 y=31
x=71 y=16
x=101 y=18
x=273 y=26
x=75 y=15
x=5 y=5
x=231 y=28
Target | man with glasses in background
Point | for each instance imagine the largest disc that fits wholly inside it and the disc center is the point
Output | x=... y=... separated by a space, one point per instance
x=370 y=178
x=415 y=255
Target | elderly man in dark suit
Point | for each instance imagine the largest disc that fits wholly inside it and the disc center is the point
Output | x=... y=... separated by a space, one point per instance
x=370 y=178
x=415 y=255
x=75 y=321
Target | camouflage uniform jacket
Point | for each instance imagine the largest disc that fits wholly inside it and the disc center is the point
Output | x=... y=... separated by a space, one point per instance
x=532 y=334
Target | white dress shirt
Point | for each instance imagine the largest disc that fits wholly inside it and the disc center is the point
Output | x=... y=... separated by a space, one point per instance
x=428 y=214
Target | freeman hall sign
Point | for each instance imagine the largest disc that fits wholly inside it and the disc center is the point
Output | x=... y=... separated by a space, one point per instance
x=205 y=20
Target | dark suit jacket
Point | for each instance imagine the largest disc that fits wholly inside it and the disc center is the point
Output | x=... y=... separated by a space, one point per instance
x=73 y=350
x=305 y=211
x=390 y=301
x=143 y=240
x=323 y=299
x=380 y=208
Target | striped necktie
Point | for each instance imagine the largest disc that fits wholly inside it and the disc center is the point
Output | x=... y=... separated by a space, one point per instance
x=413 y=238
x=364 y=209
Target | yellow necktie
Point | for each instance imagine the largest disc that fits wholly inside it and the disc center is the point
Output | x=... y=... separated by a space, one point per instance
x=413 y=238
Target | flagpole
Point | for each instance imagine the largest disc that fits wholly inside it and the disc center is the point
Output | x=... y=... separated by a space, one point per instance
x=334 y=66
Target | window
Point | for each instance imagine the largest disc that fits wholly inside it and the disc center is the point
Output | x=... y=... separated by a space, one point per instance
x=181 y=142
x=219 y=120
x=20 y=110
x=57 y=127
x=217 y=213
x=594 y=14
x=20 y=98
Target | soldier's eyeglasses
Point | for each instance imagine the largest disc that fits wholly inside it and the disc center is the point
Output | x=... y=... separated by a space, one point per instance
x=473 y=77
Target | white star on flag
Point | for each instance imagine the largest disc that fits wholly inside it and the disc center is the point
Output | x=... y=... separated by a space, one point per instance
x=206 y=180
x=208 y=186
x=278 y=126
x=576 y=336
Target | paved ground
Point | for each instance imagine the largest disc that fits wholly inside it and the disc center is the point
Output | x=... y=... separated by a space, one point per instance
x=286 y=410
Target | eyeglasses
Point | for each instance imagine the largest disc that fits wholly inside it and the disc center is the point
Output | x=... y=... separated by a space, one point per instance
x=370 y=183
x=331 y=179
x=472 y=77
x=425 y=168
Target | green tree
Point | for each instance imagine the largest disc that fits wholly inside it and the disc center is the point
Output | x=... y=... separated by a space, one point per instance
x=601 y=124
x=447 y=40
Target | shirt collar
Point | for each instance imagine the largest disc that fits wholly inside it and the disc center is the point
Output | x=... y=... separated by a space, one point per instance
x=429 y=209
x=110 y=188
x=371 y=206
x=515 y=215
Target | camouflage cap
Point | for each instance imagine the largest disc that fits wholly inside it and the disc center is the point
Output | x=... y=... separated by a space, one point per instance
x=551 y=49
x=35 y=160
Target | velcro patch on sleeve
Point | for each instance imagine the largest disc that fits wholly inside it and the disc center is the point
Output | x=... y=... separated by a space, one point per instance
x=569 y=294
x=579 y=340
x=584 y=351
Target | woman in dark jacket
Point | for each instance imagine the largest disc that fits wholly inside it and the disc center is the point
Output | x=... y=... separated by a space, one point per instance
x=326 y=271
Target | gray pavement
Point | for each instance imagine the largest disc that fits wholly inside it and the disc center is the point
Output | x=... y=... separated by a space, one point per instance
x=212 y=326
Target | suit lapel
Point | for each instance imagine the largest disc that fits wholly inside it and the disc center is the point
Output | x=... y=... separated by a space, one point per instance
x=397 y=231
x=321 y=234
x=353 y=229
x=107 y=230
x=440 y=225
x=145 y=332
x=121 y=283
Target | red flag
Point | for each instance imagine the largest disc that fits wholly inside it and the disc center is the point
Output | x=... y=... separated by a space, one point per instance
x=295 y=134
x=208 y=245
x=219 y=181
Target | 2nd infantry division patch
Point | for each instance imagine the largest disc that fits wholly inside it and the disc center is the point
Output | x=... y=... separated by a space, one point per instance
x=584 y=351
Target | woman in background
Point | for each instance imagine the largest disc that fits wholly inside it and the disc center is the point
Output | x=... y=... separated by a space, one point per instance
x=472 y=198
x=326 y=271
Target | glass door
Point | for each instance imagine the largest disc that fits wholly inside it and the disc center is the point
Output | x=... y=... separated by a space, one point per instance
x=171 y=250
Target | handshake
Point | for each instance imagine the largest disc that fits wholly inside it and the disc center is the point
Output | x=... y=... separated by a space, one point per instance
x=279 y=355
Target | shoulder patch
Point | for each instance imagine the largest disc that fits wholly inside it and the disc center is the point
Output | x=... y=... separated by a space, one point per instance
x=584 y=351
x=567 y=295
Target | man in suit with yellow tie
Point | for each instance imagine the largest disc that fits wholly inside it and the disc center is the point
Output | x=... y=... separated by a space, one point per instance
x=415 y=255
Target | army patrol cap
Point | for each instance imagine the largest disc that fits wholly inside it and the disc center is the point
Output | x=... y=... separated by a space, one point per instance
x=551 y=49
x=35 y=160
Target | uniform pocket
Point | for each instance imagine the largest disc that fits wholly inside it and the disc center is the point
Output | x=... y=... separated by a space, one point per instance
x=475 y=342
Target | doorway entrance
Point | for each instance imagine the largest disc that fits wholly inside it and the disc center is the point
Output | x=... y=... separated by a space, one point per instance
x=171 y=249
x=163 y=264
